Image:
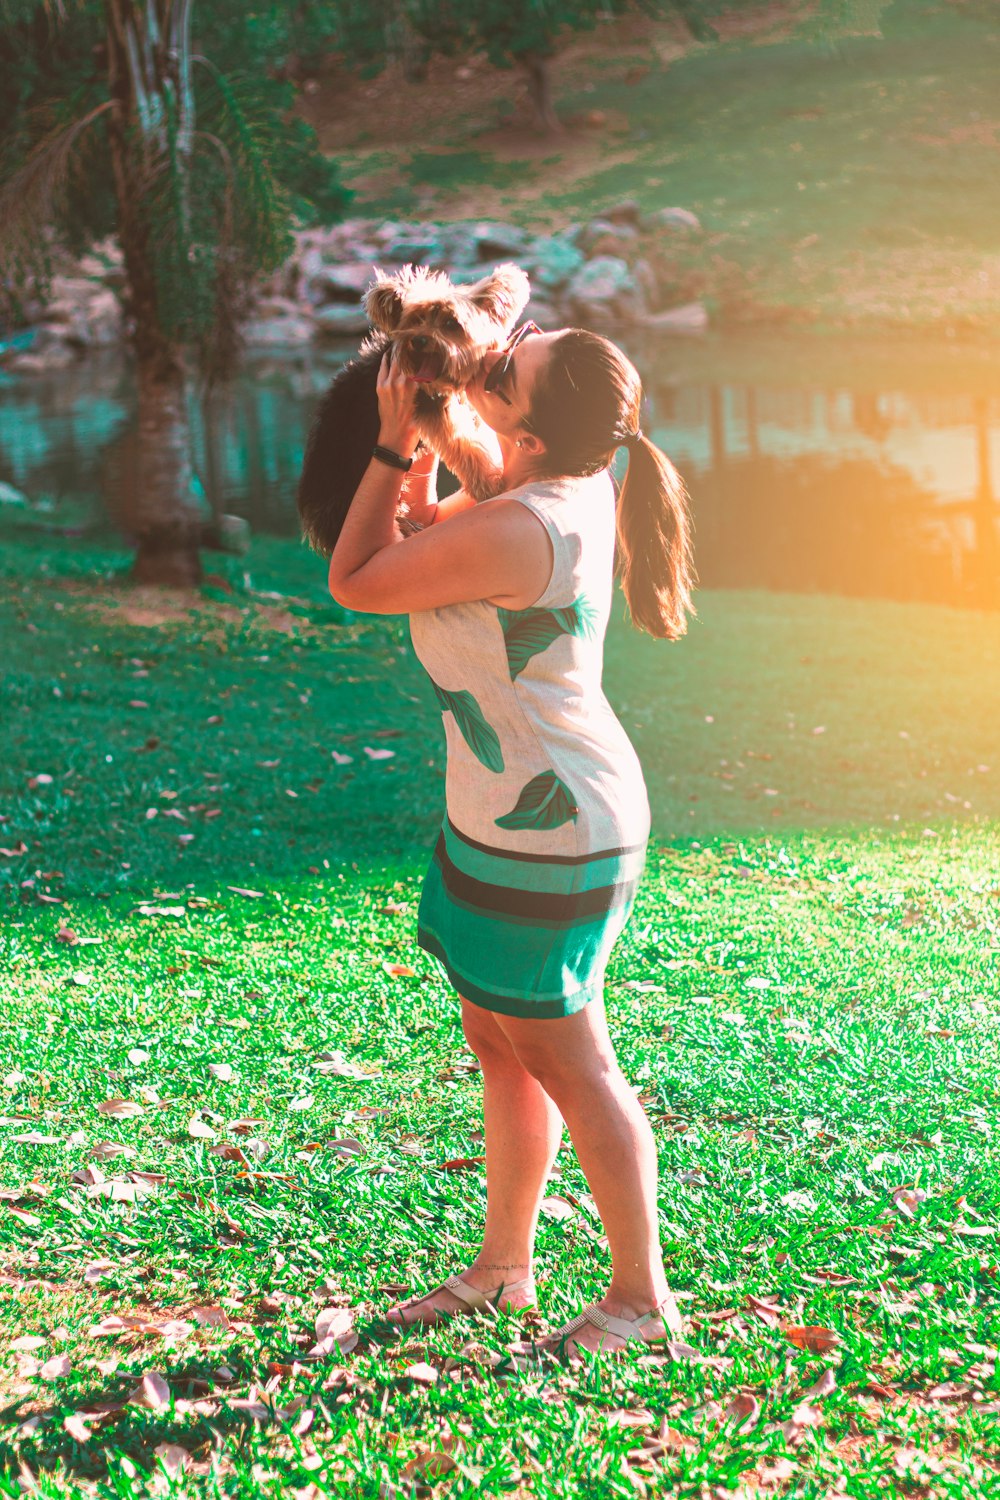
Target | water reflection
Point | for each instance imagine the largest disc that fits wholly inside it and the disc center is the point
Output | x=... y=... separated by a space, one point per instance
x=889 y=493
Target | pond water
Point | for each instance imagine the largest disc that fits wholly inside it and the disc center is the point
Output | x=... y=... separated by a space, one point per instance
x=812 y=465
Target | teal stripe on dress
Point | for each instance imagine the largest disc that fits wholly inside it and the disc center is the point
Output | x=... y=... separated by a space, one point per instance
x=539 y=874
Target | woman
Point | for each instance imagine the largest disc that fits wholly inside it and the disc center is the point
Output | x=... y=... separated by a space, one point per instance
x=543 y=843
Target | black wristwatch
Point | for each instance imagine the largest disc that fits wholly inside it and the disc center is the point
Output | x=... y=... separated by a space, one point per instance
x=394 y=460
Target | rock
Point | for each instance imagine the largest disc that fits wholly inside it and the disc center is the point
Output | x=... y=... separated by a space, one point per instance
x=416 y=248
x=543 y=312
x=42 y=362
x=277 y=332
x=691 y=317
x=105 y=319
x=337 y=321
x=628 y=211
x=606 y=287
x=10 y=496
x=552 y=261
x=344 y=283
x=597 y=229
x=498 y=241
x=614 y=244
x=227 y=533
x=673 y=218
x=279 y=307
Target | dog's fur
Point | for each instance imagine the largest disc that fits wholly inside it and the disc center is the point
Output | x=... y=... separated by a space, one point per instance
x=438 y=333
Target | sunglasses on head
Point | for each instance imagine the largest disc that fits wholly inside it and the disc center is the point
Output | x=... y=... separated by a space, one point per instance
x=496 y=376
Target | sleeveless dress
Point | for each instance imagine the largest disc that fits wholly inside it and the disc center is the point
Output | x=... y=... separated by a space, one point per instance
x=543 y=841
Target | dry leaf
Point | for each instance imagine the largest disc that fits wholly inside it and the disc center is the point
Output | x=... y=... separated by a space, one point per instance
x=200 y=1130
x=173 y=1458
x=423 y=1374
x=56 y=1367
x=461 y=1163
x=766 y=1310
x=239 y=890
x=743 y=1411
x=28 y=1341
x=400 y=970
x=138 y=1055
x=825 y=1386
x=557 y=1207
x=76 y=1428
x=152 y=1391
x=119 y=1109
x=222 y=1071
x=811 y=1336
x=304 y=1101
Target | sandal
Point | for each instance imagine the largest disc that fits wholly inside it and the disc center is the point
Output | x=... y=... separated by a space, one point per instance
x=628 y=1329
x=471 y=1296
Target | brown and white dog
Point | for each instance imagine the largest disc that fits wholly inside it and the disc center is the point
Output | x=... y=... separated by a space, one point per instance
x=438 y=334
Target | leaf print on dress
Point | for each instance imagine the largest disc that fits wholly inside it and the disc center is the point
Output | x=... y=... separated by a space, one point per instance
x=478 y=734
x=526 y=632
x=545 y=802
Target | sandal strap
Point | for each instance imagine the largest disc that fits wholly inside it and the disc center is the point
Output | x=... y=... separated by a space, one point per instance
x=623 y=1328
x=479 y=1301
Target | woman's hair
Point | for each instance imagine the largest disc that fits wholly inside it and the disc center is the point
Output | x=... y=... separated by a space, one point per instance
x=585 y=404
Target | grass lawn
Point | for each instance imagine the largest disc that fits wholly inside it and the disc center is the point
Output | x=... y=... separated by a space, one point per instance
x=851 y=183
x=210 y=916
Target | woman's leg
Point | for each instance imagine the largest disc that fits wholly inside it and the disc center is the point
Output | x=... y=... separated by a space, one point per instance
x=523 y=1130
x=573 y=1060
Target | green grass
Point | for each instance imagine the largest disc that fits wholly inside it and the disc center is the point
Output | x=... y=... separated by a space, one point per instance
x=851 y=183
x=816 y=1027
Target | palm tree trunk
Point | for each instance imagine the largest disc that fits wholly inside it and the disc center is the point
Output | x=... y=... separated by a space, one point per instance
x=159 y=507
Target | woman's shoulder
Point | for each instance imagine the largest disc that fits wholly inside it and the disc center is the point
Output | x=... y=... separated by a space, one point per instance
x=550 y=493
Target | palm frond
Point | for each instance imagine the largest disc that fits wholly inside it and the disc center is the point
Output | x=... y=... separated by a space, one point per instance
x=30 y=196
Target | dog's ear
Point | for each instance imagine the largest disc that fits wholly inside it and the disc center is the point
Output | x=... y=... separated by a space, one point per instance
x=503 y=294
x=384 y=304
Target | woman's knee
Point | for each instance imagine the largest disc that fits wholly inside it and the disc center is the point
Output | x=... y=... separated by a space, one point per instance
x=483 y=1033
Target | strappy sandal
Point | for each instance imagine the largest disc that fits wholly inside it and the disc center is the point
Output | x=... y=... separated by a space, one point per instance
x=471 y=1296
x=629 y=1329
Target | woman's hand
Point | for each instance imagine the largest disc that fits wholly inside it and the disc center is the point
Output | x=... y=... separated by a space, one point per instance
x=395 y=392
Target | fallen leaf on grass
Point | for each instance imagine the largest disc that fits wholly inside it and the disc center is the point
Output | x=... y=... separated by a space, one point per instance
x=557 y=1207
x=222 y=1071
x=240 y=890
x=174 y=1458
x=105 y=1150
x=200 y=1130
x=423 y=1374
x=337 y=1064
x=347 y=1146
x=56 y=1367
x=28 y=1341
x=335 y=1333
x=152 y=1391
x=825 y=1386
x=245 y=1127
x=159 y=911
x=811 y=1336
x=430 y=1464
x=802 y=1418
x=77 y=1428
x=119 y=1109
x=461 y=1163
x=766 y=1310
x=401 y=971
x=743 y=1411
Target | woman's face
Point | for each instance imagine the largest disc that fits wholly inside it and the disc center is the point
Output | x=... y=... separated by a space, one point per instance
x=506 y=408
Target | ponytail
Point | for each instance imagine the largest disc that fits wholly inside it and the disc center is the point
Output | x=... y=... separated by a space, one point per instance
x=584 y=405
x=653 y=558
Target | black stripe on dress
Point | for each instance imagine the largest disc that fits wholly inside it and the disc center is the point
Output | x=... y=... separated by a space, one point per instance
x=544 y=907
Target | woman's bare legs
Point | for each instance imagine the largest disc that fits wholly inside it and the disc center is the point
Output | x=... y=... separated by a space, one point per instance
x=523 y=1130
x=573 y=1060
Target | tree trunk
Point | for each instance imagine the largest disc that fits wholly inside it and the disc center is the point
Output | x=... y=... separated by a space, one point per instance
x=538 y=68
x=159 y=507
x=156 y=500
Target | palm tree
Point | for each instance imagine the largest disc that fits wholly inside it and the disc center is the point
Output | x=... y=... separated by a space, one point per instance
x=194 y=179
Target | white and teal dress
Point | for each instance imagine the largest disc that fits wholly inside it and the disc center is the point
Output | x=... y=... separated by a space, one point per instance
x=543 y=841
